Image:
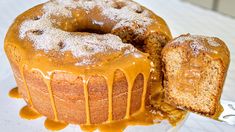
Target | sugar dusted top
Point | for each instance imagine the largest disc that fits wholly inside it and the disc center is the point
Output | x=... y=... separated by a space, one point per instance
x=45 y=36
x=201 y=45
x=210 y=40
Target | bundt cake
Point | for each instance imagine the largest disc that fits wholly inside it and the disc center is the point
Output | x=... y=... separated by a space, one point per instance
x=195 y=68
x=87 y=61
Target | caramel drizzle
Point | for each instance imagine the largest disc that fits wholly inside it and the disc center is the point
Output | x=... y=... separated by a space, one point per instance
x=142 y=108
x=47 y=80
x=130 y=75
x=26 y=86
x=14 y=93
x=110 y=96
x=54 y=125
x=130 y=86
x=86 y=95
x=52 y=100
x=29 y=113
x=140 y=67
x=109 y=78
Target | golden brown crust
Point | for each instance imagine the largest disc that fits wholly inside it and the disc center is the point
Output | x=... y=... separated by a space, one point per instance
x=85 y=22
x=69 y=97
x=67 y=86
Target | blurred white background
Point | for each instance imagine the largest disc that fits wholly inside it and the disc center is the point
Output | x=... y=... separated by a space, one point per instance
x=225 y=7
x=182 y=17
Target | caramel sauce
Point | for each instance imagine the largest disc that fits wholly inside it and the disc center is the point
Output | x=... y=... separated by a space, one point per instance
x=85 y=81
x=29 y=113
x=110 y=96
x=14 y=93
x=54 y=125
x=131 y=65
x=137 y=60
x=218 y=112
x=48 y=83
x=190 y=76
x=26 y=86
x=136 y=63
x=143 y=118
x=130 y=85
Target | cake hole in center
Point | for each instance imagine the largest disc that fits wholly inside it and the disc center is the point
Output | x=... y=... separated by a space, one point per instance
x=96 y=31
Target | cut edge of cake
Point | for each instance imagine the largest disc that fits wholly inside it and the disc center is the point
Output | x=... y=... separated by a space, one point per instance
x=197 y=89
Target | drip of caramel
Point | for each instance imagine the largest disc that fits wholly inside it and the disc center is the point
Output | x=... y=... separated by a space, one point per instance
x=47 y=63
x=110 y=96
x=136 y=64
x=86 y=94
x=54 y=125
x=131 y=65
x=218 y=112
x=29 y=113
x=26 y=86
x=14 y=93
x=48 y=83
x=130 y=85
x=143 y=118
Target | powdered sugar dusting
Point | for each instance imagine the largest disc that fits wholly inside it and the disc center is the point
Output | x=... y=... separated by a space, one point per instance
x=86 y=45
x=50 y=38
x=197 y=43
x=212 y=42
x=47 y=37
x=51 y=8
x=129 y=15
x=195 y=38
x=124 y=12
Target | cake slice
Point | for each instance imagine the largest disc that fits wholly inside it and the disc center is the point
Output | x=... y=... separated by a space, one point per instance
x=195 y=68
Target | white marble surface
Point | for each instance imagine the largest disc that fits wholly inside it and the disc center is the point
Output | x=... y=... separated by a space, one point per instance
x=181 y=18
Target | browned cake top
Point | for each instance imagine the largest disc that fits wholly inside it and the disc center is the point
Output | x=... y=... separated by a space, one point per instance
x=56 y=28
x=197 y=44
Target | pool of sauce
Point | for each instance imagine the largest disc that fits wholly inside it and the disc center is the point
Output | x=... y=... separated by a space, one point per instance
x=144 y=118
x=135 y=64
x=14 y=93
